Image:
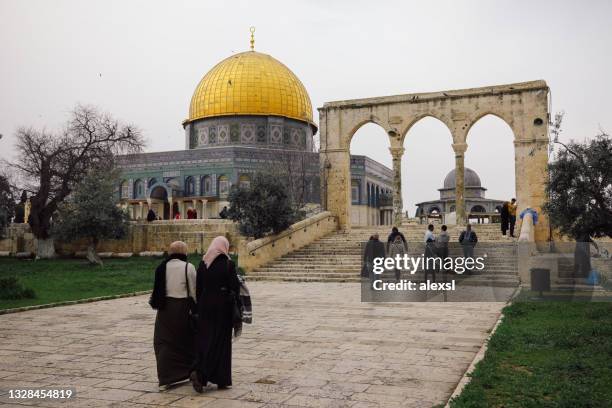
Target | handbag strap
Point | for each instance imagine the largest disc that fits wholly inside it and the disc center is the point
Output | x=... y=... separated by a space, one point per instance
x=187 y=280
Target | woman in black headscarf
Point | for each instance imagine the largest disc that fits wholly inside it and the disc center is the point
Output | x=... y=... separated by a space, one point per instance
x=173 y=296
x=217 y=286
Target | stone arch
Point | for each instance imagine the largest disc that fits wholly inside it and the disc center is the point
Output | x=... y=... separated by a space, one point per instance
x=355 y=128
x=477 y=116
x=491 y=135
x=418 y=118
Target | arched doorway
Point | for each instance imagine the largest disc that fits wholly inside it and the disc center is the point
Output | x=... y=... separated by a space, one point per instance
x=369 y=148
x=491 y=154
x=159 y=201
x=428 y=155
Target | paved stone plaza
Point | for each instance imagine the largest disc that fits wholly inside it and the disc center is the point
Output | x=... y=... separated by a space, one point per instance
x=312 y=345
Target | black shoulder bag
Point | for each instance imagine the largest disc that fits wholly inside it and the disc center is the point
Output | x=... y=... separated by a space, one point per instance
x=193 y=308
x=236 y=303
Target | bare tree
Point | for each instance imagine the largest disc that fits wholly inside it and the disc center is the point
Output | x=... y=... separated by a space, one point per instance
x=293 y=169
x=51 y=164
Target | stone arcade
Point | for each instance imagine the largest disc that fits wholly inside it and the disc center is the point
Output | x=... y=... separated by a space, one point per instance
x=523 y=106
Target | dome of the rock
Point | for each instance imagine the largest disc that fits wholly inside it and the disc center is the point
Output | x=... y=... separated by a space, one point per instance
x=250 y=83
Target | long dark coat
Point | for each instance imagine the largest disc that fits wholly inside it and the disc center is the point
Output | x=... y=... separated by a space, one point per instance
x=173 y=339
x=214 y=338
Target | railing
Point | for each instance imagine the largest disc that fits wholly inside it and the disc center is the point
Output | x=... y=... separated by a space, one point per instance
x=264 y=250
x=298 y=226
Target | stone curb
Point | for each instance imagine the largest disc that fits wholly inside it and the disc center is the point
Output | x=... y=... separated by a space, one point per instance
x=465 y=379
x=73 y=302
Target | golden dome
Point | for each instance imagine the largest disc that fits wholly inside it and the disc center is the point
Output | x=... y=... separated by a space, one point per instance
x=250 y=83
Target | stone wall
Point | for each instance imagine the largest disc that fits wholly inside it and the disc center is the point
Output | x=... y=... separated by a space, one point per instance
x=18 y=239
x=155 y=236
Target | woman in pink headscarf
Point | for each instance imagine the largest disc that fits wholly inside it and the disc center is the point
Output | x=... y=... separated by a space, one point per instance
x=217 y=283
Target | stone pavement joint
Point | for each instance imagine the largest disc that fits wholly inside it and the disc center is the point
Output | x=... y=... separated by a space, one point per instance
x=311 y=345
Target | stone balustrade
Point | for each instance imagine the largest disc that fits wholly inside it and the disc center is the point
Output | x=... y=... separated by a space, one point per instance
x=261 y=251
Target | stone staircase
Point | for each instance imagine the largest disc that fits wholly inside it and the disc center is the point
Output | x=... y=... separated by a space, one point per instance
x=337 y=257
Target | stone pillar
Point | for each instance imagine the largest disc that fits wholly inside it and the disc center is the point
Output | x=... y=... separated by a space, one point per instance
x=336 y=184
x=460 y=149
x=204 y=213
x=182 y=209
x=171 y=212
x=141 y=210
x=397 y=153
x=531 y=160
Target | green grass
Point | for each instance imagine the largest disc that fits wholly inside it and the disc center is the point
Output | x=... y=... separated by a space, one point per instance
x=546 y=354
x=59 y=280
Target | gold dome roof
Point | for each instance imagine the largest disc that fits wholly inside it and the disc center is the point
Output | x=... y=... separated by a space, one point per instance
x=250 y=83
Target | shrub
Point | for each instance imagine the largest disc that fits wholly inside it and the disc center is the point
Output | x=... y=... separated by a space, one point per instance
x=264 y=207
x=10 y=288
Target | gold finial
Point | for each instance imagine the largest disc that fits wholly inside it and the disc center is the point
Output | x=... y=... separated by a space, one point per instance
x=252 y=29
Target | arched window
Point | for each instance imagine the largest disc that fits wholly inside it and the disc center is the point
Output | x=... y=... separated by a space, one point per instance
x=139 y=189
x=244 y=181
x=189 y=186
x=478 y=209
x=452 y=208
x=355 y=192
x=152 y=181
x=434 y=210
x=498 y=209
x=224 y=186
x=206 y=186
x=377 y=197
x=125 y=189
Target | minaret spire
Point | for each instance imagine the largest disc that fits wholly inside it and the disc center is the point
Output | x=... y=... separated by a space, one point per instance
x=252 y=29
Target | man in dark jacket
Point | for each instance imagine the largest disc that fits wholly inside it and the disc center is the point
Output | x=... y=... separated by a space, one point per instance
x=373 y=249
x=504 y=216
x=395 y=232
x=151 y=215
x=468 y=240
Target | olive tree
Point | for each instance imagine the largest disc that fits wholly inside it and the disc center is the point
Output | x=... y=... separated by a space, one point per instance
x=52 y=163
x=92 y=212
x=580 y=186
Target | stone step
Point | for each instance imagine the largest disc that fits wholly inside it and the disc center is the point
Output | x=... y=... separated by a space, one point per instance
x=337 y=258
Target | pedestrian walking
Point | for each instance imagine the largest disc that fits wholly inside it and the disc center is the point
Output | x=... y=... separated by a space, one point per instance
x=512 y=215
x=505 y=217
x=174 y=296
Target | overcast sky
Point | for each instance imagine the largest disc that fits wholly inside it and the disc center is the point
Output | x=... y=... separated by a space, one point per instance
x=141 y=61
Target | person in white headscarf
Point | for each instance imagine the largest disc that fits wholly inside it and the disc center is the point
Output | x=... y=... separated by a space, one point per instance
x=174 y=298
